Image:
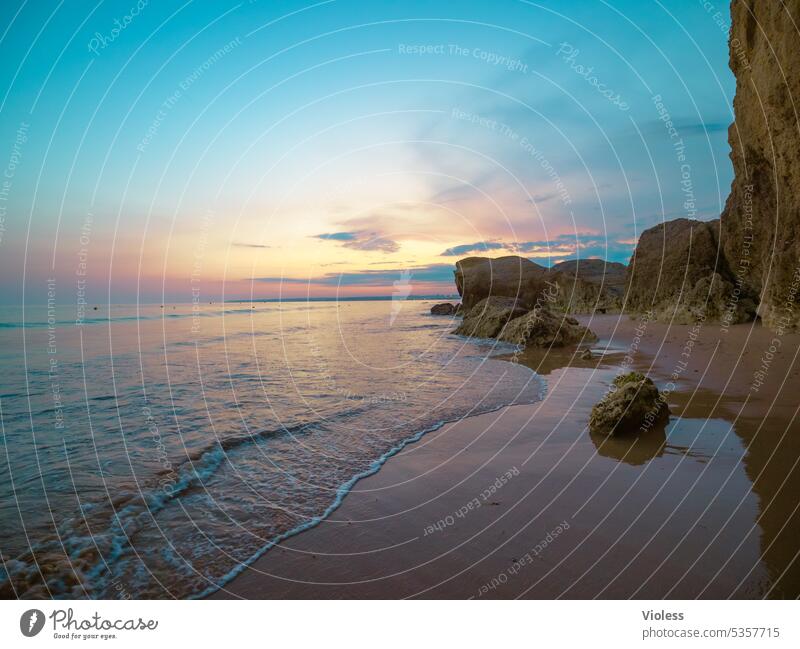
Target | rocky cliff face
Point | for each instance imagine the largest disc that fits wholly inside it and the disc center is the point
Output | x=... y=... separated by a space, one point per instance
x=748 y=262
x=678 y=273
x=729 y=270
x=761 y=221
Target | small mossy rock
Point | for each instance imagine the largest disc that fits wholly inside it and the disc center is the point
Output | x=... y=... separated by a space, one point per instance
x=633 y=404
x=489 y=316
x=445 y=308
x=543 y=327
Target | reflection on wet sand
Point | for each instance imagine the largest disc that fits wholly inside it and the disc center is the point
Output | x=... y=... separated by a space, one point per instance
x=546 y=361
x=635 y=450
x=707 y=428
x=762 y=423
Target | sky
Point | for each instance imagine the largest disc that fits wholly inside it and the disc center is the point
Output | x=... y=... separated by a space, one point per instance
x=170 y=152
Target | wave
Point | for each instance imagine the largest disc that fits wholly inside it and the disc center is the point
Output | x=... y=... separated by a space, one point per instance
x=123 y=512
x=94 y=568
x=341 y=493
x=106 y=542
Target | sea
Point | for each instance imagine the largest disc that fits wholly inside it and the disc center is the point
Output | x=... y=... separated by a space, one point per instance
x=154 y=451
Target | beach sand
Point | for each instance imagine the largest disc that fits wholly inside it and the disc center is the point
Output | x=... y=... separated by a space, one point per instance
x=524 y=502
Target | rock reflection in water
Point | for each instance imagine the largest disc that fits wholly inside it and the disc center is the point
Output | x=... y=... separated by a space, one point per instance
x=634 y=450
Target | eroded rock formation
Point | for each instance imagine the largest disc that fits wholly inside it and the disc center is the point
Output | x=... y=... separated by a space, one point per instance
x=488 y=318
x=632 y=405
x=478 y=278
x=679 y=273
x=545 y=328
x=504 y=319
x=749 y=261
x=445 y=308
x=574 y=286
x=589 y=285
x=761 y=221
x=609 y=275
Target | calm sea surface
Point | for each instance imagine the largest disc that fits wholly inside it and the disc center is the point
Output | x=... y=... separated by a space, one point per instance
x=153 y=452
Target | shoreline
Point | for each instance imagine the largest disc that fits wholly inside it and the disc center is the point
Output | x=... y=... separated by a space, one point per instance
x=741 y=545
x=346 y=488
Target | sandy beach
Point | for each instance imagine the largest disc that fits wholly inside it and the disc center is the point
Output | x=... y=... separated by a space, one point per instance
x=524 y=502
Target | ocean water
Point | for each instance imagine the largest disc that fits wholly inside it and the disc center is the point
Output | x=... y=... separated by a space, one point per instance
x=154 y=452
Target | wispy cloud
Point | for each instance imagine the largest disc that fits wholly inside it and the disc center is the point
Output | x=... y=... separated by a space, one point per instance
x=337 y=236
x=479 y=246
x=580 y=244
x=373 y=241
x=685 y=127
x=543 y=198
x=250 y=245
x=361 y=240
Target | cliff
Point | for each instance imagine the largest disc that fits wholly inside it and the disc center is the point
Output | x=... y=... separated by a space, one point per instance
x=730 y=270
x=748 y=262
x=761 y=220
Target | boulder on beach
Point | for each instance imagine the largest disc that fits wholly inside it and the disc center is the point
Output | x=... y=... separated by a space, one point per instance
x=488 y=317
x=445 y=308
x=543 y=327
x=478 y=278
x=633 y=404
x=574 y=286
x=678 y=273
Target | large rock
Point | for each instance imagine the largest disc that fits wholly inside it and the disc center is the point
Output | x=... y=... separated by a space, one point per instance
x=761 y=221
x=589 y=285
x=445 y=308
x=581 y=286
x=633 y=404
x=478 y=278
x=488 y=318
x=750 y=260
x=678 y=272
x=542 y=327
x=609 y=275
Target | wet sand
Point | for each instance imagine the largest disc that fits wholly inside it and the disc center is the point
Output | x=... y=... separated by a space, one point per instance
x=524 y=502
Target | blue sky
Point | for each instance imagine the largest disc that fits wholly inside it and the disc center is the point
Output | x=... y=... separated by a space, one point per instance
x=268 y=146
